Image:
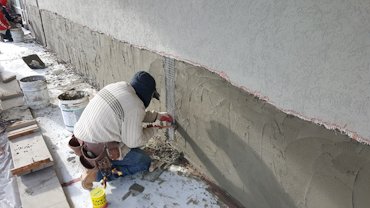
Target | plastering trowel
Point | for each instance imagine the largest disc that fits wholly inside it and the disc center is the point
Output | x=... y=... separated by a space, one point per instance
x=134 y=190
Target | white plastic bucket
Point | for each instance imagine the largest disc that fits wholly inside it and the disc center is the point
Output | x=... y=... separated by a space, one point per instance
x=35 y=91
x=72 y=103
x=17 y=35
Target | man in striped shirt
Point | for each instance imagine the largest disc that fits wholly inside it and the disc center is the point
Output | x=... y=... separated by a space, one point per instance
x=111 y=131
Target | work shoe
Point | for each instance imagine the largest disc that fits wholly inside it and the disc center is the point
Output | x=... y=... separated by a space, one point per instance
x=88 y=177
x=155 y=164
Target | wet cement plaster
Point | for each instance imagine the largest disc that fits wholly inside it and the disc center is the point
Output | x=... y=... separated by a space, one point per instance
x=260 y=155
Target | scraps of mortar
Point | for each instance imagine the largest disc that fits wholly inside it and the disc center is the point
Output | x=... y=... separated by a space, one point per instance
x=161 y=150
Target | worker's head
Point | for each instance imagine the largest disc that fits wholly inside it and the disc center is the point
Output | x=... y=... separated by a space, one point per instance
x=145 y=87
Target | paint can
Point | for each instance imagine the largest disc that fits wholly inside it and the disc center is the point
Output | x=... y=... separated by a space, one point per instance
x=72 y=103
x=35 y=91
x=17 y=35
x=98 y=198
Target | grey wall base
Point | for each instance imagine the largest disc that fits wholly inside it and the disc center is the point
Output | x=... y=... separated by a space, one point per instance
x=35 y=23
x=101 y=58
x=260 y=155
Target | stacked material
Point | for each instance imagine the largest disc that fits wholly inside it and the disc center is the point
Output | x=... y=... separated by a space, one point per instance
x=32 y=161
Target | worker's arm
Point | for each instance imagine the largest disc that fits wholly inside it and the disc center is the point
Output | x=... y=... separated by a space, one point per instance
x=152 y=116
x=133 y=133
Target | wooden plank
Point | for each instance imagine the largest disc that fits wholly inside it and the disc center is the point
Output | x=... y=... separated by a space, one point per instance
x=30 y=153
x=13 y=102
x=6 y=76
x=10 y=96
x=11 y=88
x=23 y=131
x=41 y=189
x=38 y=165
x=21 y=124
x=39 y=186
x=7 y=79
x=21 y=113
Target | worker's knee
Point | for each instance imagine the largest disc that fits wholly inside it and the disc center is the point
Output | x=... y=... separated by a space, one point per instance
x=146 y=160
x=140 y=156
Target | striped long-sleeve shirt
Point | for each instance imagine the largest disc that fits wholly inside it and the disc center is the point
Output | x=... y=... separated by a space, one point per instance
x=116 y=113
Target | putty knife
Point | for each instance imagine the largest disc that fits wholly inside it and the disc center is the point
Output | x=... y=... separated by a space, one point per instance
x=134 y=190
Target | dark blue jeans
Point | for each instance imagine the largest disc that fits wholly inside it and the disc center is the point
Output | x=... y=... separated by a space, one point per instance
x=135 y=161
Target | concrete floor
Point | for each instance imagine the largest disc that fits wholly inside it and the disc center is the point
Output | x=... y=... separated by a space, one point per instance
x=175 y=188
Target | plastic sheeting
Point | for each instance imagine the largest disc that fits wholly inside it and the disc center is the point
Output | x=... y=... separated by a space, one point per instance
x=9 y=196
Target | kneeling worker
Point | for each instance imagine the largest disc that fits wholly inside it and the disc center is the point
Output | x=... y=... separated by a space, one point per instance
x=110 y=130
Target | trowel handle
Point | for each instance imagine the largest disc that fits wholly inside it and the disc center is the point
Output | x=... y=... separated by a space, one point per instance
x=158 y=126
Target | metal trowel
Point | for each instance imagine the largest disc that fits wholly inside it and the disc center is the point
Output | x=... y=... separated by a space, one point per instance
x=134 y=190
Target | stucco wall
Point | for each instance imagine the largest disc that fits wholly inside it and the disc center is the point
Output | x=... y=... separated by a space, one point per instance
x=262 y=156
x=259 y=154
x=35 y=23
x=308 y=58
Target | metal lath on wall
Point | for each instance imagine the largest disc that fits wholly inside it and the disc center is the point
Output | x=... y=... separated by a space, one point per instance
x=169 y=69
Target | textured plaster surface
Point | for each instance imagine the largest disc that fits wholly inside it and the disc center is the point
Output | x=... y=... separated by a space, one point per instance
x=308 y=58
x=31 y=2
x=259 y=154
x=262 y=156
x=101 y=58
x=35 y=23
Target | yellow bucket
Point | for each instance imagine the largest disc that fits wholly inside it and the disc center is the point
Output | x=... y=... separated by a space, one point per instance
x=98 y=198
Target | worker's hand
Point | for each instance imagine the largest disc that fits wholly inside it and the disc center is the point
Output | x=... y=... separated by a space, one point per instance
x=164 y=116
